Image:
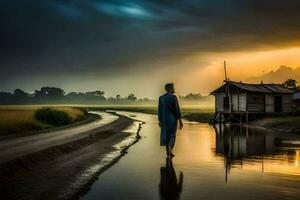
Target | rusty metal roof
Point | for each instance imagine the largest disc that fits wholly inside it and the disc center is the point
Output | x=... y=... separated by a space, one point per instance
x=262 y=88
x=250 y=87
x=277 y=88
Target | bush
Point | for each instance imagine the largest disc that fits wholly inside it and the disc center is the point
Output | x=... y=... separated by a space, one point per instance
x=52 y=116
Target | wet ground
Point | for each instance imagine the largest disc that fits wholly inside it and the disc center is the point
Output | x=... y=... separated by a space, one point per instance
x=20 y=146
x=210 y=163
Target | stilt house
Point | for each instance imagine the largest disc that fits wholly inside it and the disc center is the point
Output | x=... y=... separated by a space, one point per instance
x=241 y=99
x=296 y=98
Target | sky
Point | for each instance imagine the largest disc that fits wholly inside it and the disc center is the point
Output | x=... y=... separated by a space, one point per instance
x=136 y=46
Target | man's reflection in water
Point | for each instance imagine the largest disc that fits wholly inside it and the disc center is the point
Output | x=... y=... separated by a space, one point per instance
x=170 y=187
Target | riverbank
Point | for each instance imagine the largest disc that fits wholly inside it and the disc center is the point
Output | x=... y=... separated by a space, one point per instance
x=286 y=124
x=61 y=171
x=19 y=121
x=190 y=113
x=289 y=124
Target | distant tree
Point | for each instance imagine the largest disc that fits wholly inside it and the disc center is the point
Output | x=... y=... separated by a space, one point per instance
x=72 y=97
x=191 y=97
x=131 y=97
x=49 y=92
x=52 y=95
x=20 y=93
x=20 y=96
x=6 y=98
x=118 y=97
x=72 y=94
x=95 y=93
x=94 y=96
x=49 y=95
x=99 y=93
x=290 y=83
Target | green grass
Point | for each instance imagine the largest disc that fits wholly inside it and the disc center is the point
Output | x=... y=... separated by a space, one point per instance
x=20 y=119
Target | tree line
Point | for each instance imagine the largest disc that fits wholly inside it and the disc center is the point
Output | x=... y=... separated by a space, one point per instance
x=54 y=95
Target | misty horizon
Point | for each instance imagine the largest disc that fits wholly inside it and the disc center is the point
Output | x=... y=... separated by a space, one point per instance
x=277 y=75
x=54 y=95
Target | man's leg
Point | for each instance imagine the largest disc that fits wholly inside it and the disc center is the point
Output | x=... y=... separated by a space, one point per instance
x=167 y=149
x=171 y=145
x=167 y=144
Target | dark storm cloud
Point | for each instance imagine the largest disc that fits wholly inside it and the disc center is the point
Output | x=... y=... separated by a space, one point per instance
x=46 y=38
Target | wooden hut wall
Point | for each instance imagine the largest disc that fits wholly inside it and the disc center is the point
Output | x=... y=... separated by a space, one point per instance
x=287 y=103
x=269 y=103
x=219 y=101
x=256 y=102
x=243 y=102
x=235 y=102
x=239 y=101
x=245 y=98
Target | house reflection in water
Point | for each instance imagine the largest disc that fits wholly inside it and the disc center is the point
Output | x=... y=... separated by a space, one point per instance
x=241 y=146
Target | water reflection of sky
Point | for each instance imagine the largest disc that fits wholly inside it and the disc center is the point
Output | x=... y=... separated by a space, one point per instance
x=209 y=164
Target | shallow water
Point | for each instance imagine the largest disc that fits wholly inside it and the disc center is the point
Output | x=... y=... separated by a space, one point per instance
x=210 y=163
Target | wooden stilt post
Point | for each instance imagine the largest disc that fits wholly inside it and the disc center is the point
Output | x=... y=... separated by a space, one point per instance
x=215 y=116
x=220 y=128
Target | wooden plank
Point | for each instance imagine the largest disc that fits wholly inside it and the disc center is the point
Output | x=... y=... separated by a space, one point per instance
x=219 y=101
x=287 y=103
x=269 y=103
x=243 y=102
x=235 y=102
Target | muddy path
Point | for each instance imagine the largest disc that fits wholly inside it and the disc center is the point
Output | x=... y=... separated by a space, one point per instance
x=58 y=166
x=16 y=147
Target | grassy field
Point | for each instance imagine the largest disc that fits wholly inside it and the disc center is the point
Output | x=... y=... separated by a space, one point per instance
x=191 y=113
x=20 y=119
x=16 y=119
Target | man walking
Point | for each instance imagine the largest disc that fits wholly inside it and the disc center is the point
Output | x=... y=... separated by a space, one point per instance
x=168 y=115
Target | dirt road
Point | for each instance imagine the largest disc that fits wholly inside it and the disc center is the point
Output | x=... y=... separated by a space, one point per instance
x=17 y=147
x=56 y=165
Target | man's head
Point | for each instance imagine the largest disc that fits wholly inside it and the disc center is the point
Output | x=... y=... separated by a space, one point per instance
x=169 y=87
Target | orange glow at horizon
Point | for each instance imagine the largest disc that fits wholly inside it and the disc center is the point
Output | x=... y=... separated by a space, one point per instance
x=240 y=66
x=248 y=64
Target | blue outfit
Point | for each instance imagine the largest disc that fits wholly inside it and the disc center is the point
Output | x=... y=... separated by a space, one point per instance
x=168 y=115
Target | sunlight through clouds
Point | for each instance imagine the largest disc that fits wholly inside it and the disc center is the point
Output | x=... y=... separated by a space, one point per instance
x=124 y=10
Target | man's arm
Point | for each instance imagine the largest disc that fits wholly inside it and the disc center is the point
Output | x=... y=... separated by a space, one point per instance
x=178 y=113
x=159 y=112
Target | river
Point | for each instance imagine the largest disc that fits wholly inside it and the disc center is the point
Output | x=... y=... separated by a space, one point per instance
x=209 y=163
